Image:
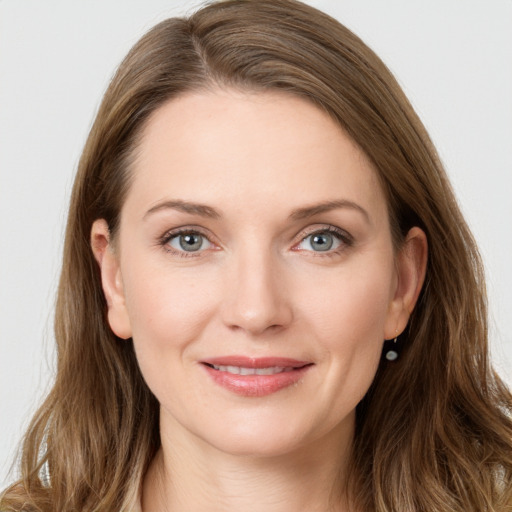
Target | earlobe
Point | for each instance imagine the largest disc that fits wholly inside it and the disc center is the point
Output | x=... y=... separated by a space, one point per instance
x=411 y=265
x=111 y=279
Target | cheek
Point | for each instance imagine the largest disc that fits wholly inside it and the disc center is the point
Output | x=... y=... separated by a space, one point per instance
x=346 y=316
x=350 y=306
x=168 y=311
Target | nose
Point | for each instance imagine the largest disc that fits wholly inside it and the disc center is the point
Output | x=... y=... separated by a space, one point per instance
x=257 y=299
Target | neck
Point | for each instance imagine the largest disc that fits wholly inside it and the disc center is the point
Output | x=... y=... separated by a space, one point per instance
x=189 y=474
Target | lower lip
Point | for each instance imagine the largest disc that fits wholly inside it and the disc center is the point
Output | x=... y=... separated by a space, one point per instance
x=256 y=385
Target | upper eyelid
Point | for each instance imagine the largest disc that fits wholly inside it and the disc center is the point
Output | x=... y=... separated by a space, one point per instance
x=171 y=233
x=322 y=229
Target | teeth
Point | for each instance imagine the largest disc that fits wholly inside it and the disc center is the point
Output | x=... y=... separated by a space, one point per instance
x=240 y=370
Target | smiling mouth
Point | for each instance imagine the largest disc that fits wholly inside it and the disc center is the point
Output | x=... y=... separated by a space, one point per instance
x=256 y=377
x=241 y=370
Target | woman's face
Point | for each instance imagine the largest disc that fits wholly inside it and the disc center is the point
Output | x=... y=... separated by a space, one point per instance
x=255 y=271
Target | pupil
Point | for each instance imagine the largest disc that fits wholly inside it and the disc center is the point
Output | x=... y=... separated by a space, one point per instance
x=322 y=242
x=190 y=242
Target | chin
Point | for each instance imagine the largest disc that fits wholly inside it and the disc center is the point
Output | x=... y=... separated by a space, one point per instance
x=272 y=437
x=252 y=445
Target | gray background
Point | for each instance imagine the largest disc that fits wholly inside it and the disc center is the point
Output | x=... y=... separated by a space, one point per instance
x=453 y=58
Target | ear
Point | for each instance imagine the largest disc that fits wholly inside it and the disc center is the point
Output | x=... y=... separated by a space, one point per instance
x=411 y=265
x=111 y=279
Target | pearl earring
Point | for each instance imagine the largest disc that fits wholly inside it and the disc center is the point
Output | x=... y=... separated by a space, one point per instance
x=391 y=349
x=392 y=354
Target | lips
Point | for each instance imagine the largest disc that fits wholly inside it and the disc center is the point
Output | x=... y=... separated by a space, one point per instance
x=255 y=377
x=242 y=370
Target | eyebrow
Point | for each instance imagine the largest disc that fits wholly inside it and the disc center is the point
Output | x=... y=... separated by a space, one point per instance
x=186 y=207
x=297 y=214
x=310 y=211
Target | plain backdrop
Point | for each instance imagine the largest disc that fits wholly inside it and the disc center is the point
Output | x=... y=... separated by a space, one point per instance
x=453 y=58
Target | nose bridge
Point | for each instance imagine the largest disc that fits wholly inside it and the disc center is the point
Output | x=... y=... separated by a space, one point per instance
x=256 y=299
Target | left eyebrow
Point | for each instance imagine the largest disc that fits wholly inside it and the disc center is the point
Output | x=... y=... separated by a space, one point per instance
x=310 y=211
x=186 y=207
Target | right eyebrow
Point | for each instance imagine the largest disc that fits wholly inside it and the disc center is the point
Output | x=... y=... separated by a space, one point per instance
x=316 y=209
x=202 y=210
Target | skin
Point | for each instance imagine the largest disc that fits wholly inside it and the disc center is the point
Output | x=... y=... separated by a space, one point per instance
x=258 y=286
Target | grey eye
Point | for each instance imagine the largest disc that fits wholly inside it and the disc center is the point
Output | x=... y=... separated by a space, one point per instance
x=321 y=241
x=189 y=242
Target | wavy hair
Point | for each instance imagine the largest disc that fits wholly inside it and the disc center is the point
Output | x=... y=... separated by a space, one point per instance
x=434 y=431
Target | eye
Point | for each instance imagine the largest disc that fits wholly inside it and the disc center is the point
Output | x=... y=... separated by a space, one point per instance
x=188 y=242
x=327 y=240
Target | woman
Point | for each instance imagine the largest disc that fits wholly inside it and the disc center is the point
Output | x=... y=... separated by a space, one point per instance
x=256 y=210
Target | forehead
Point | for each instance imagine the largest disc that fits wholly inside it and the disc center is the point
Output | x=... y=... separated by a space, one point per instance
x=226 y=144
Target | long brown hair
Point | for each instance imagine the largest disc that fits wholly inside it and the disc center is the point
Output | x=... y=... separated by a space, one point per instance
x=434 y=430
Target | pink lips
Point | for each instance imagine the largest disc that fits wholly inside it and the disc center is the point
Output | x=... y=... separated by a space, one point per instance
x=255 y=377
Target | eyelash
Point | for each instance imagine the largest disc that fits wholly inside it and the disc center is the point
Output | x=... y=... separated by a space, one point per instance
x=345 y=238
x=168 y=236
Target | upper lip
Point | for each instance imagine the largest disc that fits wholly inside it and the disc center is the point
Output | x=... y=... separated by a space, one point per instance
x=255 y=362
